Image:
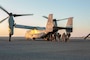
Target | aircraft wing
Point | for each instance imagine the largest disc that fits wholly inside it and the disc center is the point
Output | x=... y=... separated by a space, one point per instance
x=28 y=27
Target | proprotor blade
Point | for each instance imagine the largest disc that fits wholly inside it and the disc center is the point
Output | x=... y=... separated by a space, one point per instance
x=45 y=17
x=17 y=15
x=4 y=10
x=64 y=19
x=3 y=20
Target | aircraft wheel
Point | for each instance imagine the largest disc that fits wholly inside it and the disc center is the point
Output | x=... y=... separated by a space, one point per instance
x=33 y=38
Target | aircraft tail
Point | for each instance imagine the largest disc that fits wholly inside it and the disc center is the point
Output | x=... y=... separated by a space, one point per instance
x=50 y=24
x=69 y=25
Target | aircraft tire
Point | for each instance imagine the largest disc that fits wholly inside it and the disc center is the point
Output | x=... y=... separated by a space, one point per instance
x=33 y=38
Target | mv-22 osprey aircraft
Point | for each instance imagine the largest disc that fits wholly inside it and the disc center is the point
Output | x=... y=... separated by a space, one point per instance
x=42 y=32
x=50 y=29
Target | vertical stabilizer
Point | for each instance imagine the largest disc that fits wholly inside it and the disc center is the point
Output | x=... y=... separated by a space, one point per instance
x=69 y=25
x=70 y=22
x=50 y=24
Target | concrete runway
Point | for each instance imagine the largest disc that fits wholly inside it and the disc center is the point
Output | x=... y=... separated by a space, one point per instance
x=21 y=49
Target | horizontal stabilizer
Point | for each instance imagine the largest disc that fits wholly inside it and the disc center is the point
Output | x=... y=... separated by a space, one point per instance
x=29 y=27
x=59 y=28
x=68 y=29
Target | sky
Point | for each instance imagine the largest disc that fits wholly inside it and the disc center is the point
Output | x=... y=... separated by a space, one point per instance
x=79 y=9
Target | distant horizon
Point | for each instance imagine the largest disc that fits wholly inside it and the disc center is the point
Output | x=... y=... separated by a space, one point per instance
x=24 y=36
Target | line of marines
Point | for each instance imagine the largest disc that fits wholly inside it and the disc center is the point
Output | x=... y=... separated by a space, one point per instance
x=58 y=37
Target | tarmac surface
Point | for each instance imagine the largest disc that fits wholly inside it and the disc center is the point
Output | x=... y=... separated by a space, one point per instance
x=21 y=49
